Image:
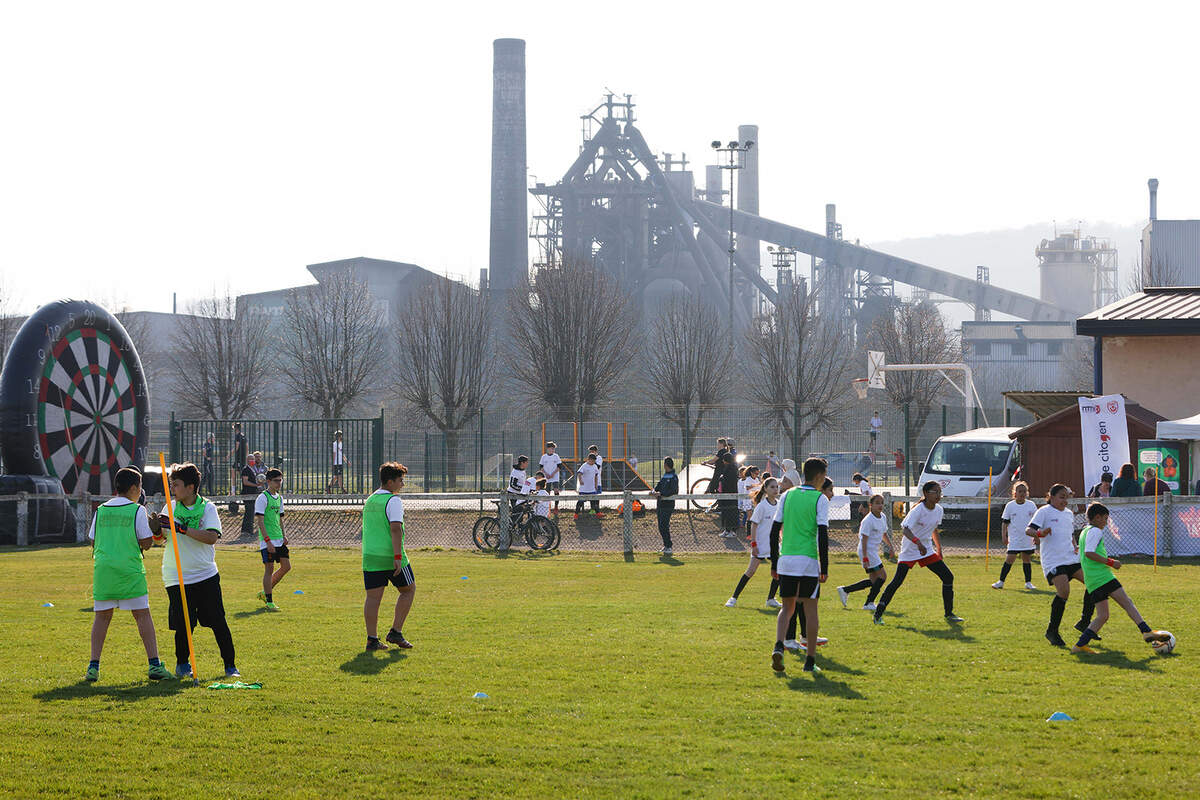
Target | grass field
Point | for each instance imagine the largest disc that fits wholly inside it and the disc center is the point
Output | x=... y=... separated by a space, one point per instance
x=606 y=678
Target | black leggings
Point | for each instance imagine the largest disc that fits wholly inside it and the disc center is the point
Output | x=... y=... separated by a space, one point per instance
x=580 y=502
x=938 y=568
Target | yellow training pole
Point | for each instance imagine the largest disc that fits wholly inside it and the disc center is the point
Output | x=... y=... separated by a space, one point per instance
x=187 y=621
x=1156 y=522
x=987 y=547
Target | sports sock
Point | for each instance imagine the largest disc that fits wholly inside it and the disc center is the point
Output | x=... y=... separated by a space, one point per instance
x=879 y=607
x=1085 y=637
x=1057 y=606
x=154 y=662
x=1028 y=568
x=876 y=586
x=803 y=621
x=372 y=638
x=948 y=598
x=398 y=633
x=865 y=583
x=1004 y=570
x=778 y=647
x=95 y=662
x=774 y=588
x=741 y=585
x=1089 y=607
x=1143 y=627
x=268 y=596
x=809 y=662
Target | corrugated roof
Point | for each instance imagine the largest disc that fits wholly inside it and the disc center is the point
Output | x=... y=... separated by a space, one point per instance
x=1157 y=310
x=994 y=331
x=1045 y=404
x=1133 y=411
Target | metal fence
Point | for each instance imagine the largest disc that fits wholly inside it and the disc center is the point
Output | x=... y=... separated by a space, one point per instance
x=1137 y=526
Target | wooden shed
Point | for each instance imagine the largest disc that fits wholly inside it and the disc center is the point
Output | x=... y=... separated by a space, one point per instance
x=1052 y=448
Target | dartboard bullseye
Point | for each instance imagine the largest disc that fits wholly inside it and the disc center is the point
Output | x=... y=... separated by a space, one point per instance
x=73 y=400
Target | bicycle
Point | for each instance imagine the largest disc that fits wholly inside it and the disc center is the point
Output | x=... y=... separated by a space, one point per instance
x=540 y=533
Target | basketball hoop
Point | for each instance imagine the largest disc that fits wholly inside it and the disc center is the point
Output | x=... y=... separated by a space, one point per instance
x=860 y=387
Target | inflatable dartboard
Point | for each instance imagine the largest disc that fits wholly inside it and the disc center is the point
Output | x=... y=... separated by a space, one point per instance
x=73 y=399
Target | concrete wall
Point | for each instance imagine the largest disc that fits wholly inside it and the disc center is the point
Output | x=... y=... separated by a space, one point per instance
x=1157 y=372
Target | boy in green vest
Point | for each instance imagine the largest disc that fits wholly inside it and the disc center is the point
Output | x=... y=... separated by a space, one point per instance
x=383 y=558
x=272 y=544
x=120 y=531
x=800 y=557
x=1101 y=583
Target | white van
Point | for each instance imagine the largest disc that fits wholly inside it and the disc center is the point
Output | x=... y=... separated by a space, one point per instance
x=960 y=462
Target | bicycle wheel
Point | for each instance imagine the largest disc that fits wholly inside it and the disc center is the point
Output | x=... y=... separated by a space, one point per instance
x=539 y=533
x=700 y=486
x=486 y=533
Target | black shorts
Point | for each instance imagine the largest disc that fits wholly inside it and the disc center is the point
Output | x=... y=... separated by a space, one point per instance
x=1105 y=591
x=337 y=470
x=281 y=552
x=553 y=486
x=205 y=605
x=1019 y=552
x=875 y=568
x=380 y=578
x=800 y=586
x=1066 y=569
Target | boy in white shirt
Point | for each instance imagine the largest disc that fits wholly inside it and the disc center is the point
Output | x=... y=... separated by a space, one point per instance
x=551 y=465
x=589 y=484
x=272 y=543
x=872 y=531
x=922 y=547
x=1015 y=519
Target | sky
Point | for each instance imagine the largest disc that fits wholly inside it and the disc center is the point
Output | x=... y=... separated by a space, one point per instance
x=157 y=148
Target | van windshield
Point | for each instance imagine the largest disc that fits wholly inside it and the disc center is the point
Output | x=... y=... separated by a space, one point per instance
x=968 y=458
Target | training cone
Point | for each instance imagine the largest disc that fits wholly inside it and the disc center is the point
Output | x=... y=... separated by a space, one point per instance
x=47 y=605
x=479 y=696
x=463 y=578
x=298 y=591
x=1059 y=716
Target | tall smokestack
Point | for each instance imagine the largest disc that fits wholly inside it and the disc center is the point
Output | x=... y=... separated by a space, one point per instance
x=509 y=255
x=1153 y=184
x=713 y=184
x=747 y=189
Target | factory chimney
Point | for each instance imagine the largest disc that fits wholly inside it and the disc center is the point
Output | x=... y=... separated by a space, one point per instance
x=509 y=254
x=1153 y=183
x=747 y=190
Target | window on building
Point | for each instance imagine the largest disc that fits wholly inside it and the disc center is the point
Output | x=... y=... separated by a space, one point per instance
x=1054 y=348
x=981 y=348
x=1020 y=349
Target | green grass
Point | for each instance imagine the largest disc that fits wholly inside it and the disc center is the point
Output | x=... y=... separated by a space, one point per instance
x=606 y=678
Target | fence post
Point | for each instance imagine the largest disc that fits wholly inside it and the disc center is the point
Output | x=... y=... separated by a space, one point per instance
x=627 y=519
x=943 y=419
x=83 y=513
x=504 y=512
x=889 y=512
x=687 y=442
x=173 y=440
x=428 y=483
x=22 y=519
x=1166 y=537
x=479 y=488
x=907 y=455
x=376 y=442
x=275 y=444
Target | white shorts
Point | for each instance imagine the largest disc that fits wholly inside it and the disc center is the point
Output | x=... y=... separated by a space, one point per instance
x=129 y=604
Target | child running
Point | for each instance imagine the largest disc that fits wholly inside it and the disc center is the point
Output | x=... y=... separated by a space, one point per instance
x=1054 y=524
x=120 y=532
x=1015 y=520
x=872 y=532
x=1102 y=584
x=800 y=557
x=922 y=546
x=384 y=560
x=272 y=544
x=766 y=499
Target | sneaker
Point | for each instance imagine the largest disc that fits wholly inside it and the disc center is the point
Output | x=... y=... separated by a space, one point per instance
x=599 y=515
x=93 y=674
x=793 y=645
x=262 y=596
x=1029 y=585
x=232 y=672
x=813 y=668
x=877 y=620
x=822 y=640
x=843 y=595
x=868 y=606
x=1053 y=638
x=397 y=638
x=157 y=673
x=998 y=585
x=1082 y=649
x=668 y=552
x=272 y=607
x=953 y=618
x=183 y=670
x=773 y=603
x=375 y=644
x=777 y=660
x=731 y=602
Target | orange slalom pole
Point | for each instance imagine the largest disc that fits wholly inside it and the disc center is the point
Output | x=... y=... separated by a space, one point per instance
x=987 y=547
x=187 y=621
x=1156 y=521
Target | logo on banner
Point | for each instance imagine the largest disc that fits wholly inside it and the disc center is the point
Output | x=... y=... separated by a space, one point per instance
x=1113 y=405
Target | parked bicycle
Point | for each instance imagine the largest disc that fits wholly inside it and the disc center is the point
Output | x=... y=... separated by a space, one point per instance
x=540 y=533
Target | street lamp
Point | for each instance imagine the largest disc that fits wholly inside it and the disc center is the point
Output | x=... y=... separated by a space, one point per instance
x=733 y=151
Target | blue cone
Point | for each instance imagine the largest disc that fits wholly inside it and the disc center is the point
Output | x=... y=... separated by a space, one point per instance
x=47 y=605
x=298 y=591
x=1059 y=716
x=479 y=696
x=463 y=578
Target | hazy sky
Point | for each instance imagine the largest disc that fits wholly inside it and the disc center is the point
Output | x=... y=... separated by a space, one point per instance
x=157 y=147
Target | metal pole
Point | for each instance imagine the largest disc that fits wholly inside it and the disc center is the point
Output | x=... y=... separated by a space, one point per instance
x=731 y=173
x=907 y=459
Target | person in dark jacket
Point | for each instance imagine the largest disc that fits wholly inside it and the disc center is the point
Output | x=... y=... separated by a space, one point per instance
x=667 y=487
x=724 y=481
x=1126 y=484
x=1153 y=486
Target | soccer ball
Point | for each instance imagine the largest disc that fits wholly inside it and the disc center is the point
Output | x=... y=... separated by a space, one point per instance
x=1164 y=643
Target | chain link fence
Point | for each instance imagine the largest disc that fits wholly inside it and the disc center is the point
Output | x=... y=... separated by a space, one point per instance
x=1138 y=526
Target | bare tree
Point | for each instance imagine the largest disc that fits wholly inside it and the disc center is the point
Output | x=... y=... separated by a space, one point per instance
x=221 y=358
x=916 y=333
x=1153 y=272
x=445 y=358
x=9 y=322
x=690 y=367
x=800 y=367
x=571 y=337
x=332 y=340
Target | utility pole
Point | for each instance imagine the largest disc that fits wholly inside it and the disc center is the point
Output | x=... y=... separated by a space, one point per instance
x=734 y=151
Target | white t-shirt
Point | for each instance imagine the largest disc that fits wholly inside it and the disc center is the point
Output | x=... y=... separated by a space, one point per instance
x=551 y=466
x=864 y=487
x=394 y=510
x=764 y=517
x=922 y=521
x=542 y=509
x=1057 y=547
x=744 y=504
x=199 y=560
x=873 y=528
x=802 y=566
x=260 y=507
x=517 y=482
x=876 y=424
x=141 y=522
x=1018 y=516
x=1092 y=540
x=589 y=478
x=337 y=453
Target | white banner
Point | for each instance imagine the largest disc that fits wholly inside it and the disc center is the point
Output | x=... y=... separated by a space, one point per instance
x=1105 y=435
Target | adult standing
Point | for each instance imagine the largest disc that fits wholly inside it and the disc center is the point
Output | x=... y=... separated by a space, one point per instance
x=665 y=491
x=724 y=481
x=249 y=491
x=773 y=466
x=207 y=454
x=1126 y=484
x=239 y=453
x=790 y=477
x=1153 y=486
